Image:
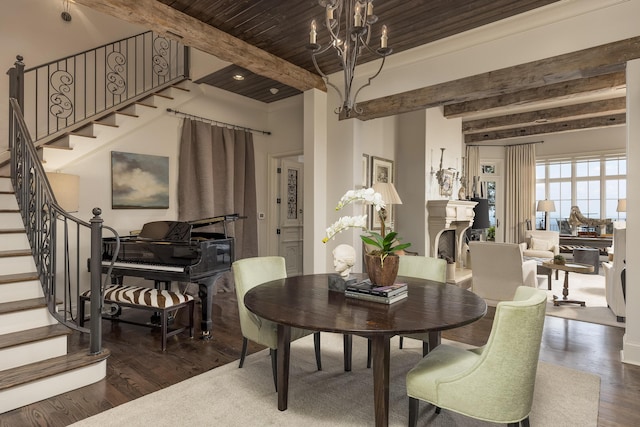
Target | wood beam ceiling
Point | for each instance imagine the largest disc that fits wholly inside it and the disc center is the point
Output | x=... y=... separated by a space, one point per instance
x=194 y=33
x=599 y=60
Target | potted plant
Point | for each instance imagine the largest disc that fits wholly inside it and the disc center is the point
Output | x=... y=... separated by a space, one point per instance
x=491 y=234
x=559 y=259
x=382 y=261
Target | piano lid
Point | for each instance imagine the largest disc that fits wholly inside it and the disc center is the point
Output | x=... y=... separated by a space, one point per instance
x=215 y=219
x=169 y=231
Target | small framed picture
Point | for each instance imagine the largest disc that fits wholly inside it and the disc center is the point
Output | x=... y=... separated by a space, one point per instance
x=381 y=171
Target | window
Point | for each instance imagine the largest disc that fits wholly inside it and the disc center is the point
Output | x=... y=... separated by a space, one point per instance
x=594 y=184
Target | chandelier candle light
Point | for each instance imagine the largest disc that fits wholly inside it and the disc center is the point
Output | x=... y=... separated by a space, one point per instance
x=349 y=24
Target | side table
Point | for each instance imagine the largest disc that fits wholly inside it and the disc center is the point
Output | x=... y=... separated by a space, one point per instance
x=567 y=268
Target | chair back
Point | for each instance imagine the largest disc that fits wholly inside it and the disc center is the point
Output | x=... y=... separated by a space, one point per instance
x=423 y=267
x=249 y=273
x=508 y=362
x=498 y=269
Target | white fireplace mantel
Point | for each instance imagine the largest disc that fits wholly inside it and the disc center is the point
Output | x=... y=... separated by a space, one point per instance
x=446 y=215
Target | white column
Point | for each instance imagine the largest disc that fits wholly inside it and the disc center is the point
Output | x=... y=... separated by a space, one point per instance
x=315 y=181
x=631 y=341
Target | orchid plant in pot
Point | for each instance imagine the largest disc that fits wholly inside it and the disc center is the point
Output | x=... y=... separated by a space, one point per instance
x=382 y=260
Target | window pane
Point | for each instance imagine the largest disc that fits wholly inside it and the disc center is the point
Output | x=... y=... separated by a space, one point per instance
x=554 y=170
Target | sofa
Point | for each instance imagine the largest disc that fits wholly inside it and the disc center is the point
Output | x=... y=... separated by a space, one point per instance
x=613 y=274
x=498 y=269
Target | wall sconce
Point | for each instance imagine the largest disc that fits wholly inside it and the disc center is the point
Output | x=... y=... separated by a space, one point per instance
x=66 y=189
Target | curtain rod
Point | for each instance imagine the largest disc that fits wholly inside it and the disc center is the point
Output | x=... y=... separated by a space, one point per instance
x=206 y=120
x=506 y=145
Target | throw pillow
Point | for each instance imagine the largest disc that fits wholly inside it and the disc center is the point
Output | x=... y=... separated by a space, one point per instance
x=540 y=244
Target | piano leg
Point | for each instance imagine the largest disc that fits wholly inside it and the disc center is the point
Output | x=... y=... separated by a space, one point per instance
x=207 y=289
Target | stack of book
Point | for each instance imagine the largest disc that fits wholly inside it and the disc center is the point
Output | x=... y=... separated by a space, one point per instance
x=365 y=290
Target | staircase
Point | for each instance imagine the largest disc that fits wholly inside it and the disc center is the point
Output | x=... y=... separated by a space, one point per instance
x=77 y=144
x=34 y=362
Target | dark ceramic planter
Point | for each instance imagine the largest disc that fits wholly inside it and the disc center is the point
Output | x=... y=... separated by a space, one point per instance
x=378 y=275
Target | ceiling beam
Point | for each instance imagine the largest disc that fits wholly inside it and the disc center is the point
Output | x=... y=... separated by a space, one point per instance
x=595 y=61
x=558 y=91
x=580 y=124
x=191 y=32
x=551 y=115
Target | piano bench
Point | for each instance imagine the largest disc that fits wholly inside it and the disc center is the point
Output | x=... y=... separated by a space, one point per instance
x=162 y=301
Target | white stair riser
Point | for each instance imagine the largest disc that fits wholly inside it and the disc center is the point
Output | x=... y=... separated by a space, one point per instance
x=33 y=352
x=8 y=201
x=11 y=220
x=5 y=184
x=14 y=241
x=18 y=291
x=18 y=264
x=27 y=319
x=17 y=397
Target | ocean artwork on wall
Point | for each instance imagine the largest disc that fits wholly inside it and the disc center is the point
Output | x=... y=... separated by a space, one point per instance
x=139 y=181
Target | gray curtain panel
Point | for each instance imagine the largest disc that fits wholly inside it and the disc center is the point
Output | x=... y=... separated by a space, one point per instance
x=217 y=176
x=520 y=190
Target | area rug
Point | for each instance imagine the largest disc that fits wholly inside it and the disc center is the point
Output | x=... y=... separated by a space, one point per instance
x=229 y=396
x=589 y=288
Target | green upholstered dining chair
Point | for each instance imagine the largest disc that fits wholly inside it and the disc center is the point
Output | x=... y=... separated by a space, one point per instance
x=421 y=267
x=495 y=382
x=249 y=273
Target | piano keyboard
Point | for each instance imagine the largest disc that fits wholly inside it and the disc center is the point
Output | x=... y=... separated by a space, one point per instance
x=141 y=266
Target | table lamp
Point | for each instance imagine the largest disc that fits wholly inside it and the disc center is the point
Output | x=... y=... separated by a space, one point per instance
x=546 y=206
x=390 y=197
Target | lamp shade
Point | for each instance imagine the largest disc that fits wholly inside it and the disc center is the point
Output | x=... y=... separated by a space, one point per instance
x=546 y=206
x=622 y=205
x=388 y=191
x=481 y=209
x=66 y=189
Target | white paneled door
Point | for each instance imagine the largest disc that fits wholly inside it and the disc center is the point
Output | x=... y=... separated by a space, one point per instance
x=290 y=215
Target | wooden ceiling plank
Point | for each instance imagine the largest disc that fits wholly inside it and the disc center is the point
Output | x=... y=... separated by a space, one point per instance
x=604 y=59
x=550 y=115
x=557 y=91
x=166 y=20
x=581 y=124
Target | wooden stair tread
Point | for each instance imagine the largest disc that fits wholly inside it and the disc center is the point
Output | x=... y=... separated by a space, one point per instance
x=14 y=339
x=9 y=210
x=15 y=252
x=50 y=367
x=81 y=135
x=127 y=114
x=105 y=124
x=144 y=104
x=181 y=88
x=18 y=277
x=7 y=192
x=12 y=231
x=162 y=95
x=22 y=305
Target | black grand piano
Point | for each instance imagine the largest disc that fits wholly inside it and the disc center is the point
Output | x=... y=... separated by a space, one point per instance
x=166 y=251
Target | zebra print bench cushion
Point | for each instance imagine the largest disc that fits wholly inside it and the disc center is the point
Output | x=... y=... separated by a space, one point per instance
x=143 y=296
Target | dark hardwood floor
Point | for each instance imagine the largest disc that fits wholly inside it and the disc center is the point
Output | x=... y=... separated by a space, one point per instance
x=138 y=367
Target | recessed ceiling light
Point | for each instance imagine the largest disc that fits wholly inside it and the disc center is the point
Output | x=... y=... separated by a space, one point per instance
x=274 y=90
x=238 y=77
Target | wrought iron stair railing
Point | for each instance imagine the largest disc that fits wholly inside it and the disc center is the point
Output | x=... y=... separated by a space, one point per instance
x=70 y=92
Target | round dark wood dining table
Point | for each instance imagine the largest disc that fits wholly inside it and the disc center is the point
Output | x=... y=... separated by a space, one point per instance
x=306 y=302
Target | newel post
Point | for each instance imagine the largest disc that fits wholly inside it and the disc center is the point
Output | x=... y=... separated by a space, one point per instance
x=95 y=323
